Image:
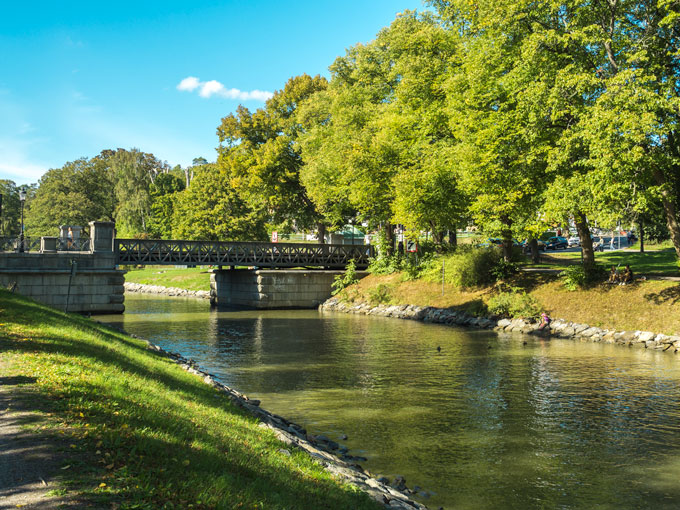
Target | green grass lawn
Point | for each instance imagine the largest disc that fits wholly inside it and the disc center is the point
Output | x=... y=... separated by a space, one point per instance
x=652 y=263
x=194 y=278
x=143 y=432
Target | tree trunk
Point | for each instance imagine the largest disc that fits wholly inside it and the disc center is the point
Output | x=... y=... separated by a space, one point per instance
x=453 y=238
x=321 y=233
x=669 y=209
x=389 y=237
x=586 y=241
x=507 y=239
x=535 y=254
x=642 y=236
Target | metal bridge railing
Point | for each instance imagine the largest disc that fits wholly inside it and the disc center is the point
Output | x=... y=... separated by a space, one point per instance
x=279 y=255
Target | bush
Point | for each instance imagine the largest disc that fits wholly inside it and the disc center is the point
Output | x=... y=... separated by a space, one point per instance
x=514 y=304
x=504 y=270
x=349 y=277
x=467 y=267
x=578 y=277
x=380 y=294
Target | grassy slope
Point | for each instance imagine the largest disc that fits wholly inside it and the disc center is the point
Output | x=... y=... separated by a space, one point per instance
x=646 y=305
x=190 y=279
x=145 y=433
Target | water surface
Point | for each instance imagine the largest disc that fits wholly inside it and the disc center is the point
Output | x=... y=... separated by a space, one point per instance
x=488 y=423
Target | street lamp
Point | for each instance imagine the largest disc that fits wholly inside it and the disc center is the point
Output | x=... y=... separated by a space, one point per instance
x=22 y=199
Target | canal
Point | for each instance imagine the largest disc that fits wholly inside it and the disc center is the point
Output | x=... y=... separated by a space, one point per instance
x=486 y=423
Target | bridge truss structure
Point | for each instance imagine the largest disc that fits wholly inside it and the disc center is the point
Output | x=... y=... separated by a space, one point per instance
x=250 y=254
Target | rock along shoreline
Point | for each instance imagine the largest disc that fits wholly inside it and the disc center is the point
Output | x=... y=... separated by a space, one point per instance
x=559 y=328
x=344 y=467
x=166 y=291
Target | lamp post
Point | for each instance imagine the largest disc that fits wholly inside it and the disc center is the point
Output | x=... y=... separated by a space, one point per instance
x=22 y=199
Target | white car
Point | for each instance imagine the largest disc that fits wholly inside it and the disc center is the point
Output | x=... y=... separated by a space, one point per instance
x=574 y=241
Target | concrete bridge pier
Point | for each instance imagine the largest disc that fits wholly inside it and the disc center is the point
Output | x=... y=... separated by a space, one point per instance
x=272 y=288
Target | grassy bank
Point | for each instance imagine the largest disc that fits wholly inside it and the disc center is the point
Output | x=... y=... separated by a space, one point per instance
x=194 y=278
x=142 y=432
x=646 y=305
x=652 y=263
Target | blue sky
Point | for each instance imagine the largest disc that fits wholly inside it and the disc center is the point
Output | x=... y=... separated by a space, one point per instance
x=79 y=77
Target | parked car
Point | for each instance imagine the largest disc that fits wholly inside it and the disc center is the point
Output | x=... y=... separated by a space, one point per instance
x=574 y=241
x=526 y=248
x=557 y=242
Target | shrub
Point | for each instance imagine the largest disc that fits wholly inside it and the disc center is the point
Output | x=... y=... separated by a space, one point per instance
x=349 y=277
x=577 y=276
x=380 y=294
x=467 y=267
x=514 y=304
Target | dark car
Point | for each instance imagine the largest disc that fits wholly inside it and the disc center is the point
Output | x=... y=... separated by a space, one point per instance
x=557 y=242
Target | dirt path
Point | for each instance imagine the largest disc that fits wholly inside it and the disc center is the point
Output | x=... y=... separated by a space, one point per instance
x=30 y=461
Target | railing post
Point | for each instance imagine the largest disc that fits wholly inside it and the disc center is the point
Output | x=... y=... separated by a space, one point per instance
x=48 y=244
x=101 y=236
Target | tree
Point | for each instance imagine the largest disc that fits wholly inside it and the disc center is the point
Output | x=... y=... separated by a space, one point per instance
x=75 y=194
x=133 y=173
x=260 y=153
x=163 y=193
x=381 y=127
x=211 y=209
x=11 y=208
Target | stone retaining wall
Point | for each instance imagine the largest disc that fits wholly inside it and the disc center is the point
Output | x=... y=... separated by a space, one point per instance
x=559 y=328
x=96 y=286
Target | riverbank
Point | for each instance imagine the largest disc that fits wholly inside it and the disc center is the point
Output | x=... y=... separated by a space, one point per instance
x=144 y=430
x=166 y=291
x=646 y=305
x=559 y=328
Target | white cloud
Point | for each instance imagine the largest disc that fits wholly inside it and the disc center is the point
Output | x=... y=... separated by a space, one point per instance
x=189 y=83
x=215 y=88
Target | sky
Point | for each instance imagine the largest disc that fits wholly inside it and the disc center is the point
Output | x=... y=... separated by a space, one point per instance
x=80 y=77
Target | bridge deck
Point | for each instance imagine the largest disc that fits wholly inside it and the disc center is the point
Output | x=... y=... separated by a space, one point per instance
x=265 y=255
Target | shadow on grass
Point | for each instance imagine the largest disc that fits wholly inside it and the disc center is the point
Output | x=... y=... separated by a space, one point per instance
x=154 y=434
x=670 y=295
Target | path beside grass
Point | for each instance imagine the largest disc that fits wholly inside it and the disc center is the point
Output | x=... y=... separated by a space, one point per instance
x=140 y=431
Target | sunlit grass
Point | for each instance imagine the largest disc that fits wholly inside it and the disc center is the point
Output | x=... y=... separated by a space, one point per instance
x=653 y=263
x=194 y=278
x=146 y=433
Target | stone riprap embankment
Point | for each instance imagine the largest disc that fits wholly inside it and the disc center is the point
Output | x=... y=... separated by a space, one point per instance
x=166 y=291
x=559 y=328
x=344 y=467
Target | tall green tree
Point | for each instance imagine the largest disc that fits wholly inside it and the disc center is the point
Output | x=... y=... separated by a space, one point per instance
x=211 y=209
x=11 y=209
x=381 y=128
x=261 y=154
x=163 y=193
x=133 y=173
x=75 y=194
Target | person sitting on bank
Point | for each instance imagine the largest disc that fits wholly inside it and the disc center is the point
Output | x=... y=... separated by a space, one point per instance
x=613 y=275
x=545 y=321
x=627 y=276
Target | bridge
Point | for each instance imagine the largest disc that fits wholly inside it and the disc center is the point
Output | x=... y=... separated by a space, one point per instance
x=261 y=255
x=83 y=275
